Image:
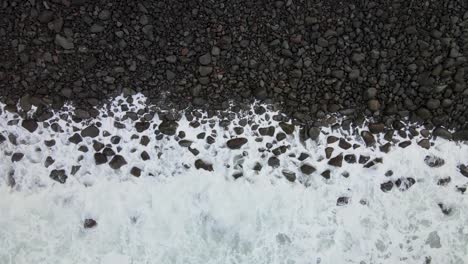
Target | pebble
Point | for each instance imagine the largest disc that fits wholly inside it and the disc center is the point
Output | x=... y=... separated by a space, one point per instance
x=117 y=162
x=307 y=169
x=89 y=223
x=236 y=143
x=29 y=125
x=337 y=161
x=90 y=131
x=100 y=158
x=58 y=175
x=201 y=164
x=135 y=171
x=434 y=161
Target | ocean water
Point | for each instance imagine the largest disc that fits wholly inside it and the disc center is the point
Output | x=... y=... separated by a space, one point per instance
x=174 y=213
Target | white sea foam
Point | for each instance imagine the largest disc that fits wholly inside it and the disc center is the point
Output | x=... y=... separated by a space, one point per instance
x=184 y=215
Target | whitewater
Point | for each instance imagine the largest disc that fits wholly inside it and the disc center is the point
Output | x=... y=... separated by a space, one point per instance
x=175 y=213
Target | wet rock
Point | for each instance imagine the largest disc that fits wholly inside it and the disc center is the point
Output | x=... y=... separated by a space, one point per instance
x=331 y=139
x=424 y=143
x=386 y=186
x=336 y=161
x=368 y=138
x=49 y=161
x=442 y=132
x=273 y=162
x=144 y=155
x=289 y=175
x=64 y=42
x=445 y=210
x=444 y=181
x=463 y=169
x=89 y=223
x=385 y=148
x=200 y=164
x=117 y=162
x=350 y=158
x=314 y=133
x=91 y=131
x=342 y=201
x=376 y=128
x=58 y=175
x=168 y=127
x=344 y=144
x=326 y=174
x=75 y=139
x=142 y=126
x=303 y=156
x=267 y=131
x=49 y=143
x=287 y=128
x=461 y=135
x=135 y=171
x=257 y=166
x=144 y=141
x=307 y=169
x=97 y=146
x=100 y=158
x=29 y=125
x=404 y=184
x=236 y=143
x=328 y=152
x=434 y=161
x=17 y=156
x=404 y=144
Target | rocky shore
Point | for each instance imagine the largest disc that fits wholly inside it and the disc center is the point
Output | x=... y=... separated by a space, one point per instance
x=389 y=60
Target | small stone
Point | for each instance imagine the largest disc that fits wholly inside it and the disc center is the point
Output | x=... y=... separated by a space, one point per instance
x=91 y=131
x=405 y=183
x=45 y=16
x=141 y=126
x=314 y=133
x=463 y=170
x=104 y=14
x=376 y=128
x=336 y=161
x=75 y=139
x=307 y=169
x=424 y=143
x=100 y=158
x=289 y=175
x=144 y=155
x=17 y=156
x=89 y=223
x=386 y=186
x=326 y=174
x=442 y=132
x=168 y=127
x=328 y=152
x=63 y=42
x=287 y=128
x=117 y=162
x=344 y=144
x=236 y=143
x=205 y=70
x=373 y=105
x=200 y=164
x=58 y=175
x=434 y=161
x=404 y=144
x=368 y=138
x=135 y=171
x=342 y=201
x=29 y=125
x=350 y=158
x=205 y=59
x=273 y=162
